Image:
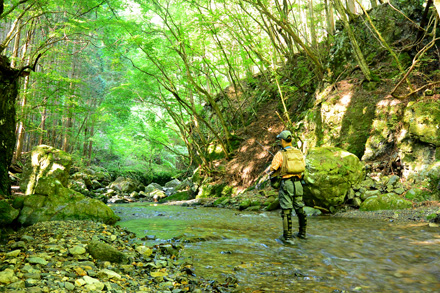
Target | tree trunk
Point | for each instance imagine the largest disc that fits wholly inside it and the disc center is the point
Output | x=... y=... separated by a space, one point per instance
x=329 y=15
x=20 y=134
x=43 y=121
x=354 y=44
x=312 y=25
x=351 y=7
x=8 y=94
x=92 y=130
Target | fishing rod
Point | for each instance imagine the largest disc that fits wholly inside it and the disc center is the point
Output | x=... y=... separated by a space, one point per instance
x=265 y=149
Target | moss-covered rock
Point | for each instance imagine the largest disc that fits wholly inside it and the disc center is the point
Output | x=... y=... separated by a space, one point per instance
x=7 y=213
x=388 y=201
x=46 y=161
x=214 y=190
x=423 y=119
x=418 y=194
x=181 y=195
x=330 y=173
x=56 y=202
x=125 y=185
x=244 y=204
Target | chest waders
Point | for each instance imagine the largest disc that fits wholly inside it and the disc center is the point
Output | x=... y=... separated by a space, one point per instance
x=290 y=193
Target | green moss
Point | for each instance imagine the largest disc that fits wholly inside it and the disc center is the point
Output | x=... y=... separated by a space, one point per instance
x=418 y=195
x=183 y=195
x=389 y=201
x=432 y=216
x=215 y=152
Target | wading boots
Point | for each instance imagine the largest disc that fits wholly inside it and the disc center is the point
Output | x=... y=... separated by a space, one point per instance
x=302 y=221
x=287 y=236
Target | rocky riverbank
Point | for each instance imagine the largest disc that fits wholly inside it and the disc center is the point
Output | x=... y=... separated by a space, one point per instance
x=86 y=256
x=428 y=212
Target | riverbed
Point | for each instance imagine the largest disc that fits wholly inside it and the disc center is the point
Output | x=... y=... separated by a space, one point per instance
x=340 y=254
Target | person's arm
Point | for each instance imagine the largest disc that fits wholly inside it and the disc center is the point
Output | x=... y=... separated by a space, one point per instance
x=276 y=162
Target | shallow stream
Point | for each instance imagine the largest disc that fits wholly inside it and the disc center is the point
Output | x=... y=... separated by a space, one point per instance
x=340 y=254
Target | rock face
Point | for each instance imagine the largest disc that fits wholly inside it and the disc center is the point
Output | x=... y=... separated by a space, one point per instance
x=48 y=198
x=46 y=161
x=330 y=173
x=423 y=119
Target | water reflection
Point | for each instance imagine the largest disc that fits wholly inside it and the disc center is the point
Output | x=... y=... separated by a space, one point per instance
x=340 y=255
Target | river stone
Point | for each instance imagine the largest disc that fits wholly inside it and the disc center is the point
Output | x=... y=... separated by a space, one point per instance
x=105 y=252
x=46 y=161
x=108 y=274
x=60 y=203
x=37 y=260
x=7 y=276
x=7 y=213
x=77 y=250
x=13 y=253
x=330 y=173
x=388 y=201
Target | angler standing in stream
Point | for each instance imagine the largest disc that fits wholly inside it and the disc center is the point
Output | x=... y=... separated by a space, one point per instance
x=287 y=168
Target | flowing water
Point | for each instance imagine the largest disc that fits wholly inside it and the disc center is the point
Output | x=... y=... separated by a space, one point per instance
x=352 y=255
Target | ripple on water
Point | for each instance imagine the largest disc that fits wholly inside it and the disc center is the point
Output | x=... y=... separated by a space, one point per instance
x=340 y=254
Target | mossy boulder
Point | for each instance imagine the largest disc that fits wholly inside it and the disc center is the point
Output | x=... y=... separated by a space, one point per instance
x=329 y=175
x=181 y=195
x=56 y=202
x=125 y=185
x=7 y=213
x=423 y=119
x=45 y=161
x=388 y=201
x=215 y=190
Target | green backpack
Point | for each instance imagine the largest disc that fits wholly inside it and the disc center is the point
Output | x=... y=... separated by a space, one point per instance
x=293 y=162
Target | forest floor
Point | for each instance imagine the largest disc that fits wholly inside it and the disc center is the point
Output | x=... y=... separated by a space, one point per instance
x=256 y=150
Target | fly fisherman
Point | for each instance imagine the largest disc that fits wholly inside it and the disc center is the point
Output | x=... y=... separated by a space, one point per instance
x=288 y=164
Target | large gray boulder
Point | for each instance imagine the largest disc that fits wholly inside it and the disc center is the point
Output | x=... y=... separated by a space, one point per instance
x=329 y=175
x=45 y=161
x=52 y=201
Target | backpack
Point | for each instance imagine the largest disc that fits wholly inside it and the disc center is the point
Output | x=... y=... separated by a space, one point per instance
x=293 y=162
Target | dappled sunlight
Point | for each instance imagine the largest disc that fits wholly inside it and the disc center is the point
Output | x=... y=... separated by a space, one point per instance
x=427 y=242
x=261 y=155
x=346 y=99
x=388 y=103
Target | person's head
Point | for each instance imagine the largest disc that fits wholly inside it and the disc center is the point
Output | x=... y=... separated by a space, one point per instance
x=285 y=138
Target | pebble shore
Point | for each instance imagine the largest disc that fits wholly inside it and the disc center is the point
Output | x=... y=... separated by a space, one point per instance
x=56 y=257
